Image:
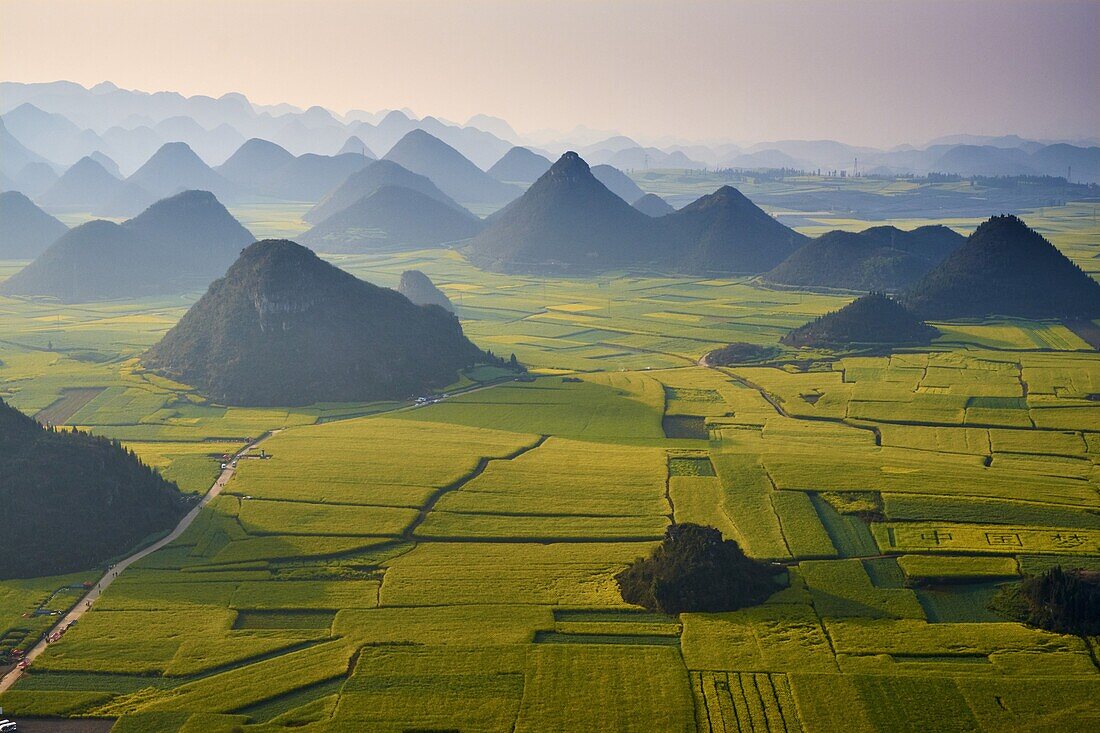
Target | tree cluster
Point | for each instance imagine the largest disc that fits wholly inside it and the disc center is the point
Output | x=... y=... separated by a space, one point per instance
x=694 y=569
x=1066 y=601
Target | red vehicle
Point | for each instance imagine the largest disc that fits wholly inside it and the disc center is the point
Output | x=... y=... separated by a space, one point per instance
x=17 y=653
x=24 y=664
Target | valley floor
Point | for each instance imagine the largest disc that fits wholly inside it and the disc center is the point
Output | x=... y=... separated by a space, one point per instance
x=451 y=566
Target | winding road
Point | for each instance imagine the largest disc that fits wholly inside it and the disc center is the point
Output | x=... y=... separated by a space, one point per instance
x=86 y=601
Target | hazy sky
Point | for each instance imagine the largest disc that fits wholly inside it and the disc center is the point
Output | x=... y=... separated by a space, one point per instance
x=878 y=72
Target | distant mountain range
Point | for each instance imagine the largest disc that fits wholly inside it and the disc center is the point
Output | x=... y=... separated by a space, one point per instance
x=369 y=179
x=175 y=167
x=61 y=122
x=89 y=187
x=283 y=327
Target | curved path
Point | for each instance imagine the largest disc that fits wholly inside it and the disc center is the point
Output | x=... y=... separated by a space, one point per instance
x=86 y=601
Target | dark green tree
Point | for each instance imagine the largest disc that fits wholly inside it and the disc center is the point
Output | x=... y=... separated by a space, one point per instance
x=694 y=569
x=1066 y=601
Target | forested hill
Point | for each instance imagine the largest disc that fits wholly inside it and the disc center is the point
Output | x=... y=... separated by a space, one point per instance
x=872 y=319
x=71 y=500
x=1006 y=268
x=284 y=327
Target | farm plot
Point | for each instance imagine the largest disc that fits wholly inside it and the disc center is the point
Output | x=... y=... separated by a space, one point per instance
x=563 y=488
x=995 y=539
x=626 y=688
x=746 y=702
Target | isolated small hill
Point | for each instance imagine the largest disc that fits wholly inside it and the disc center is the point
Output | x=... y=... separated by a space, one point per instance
x=71 y=500
x=1066 y=601
x=881 y=258
x=1005 y=268
x=653 y=205
x=284 y=327
x=872 y=319
x=617 y=182
x=418 y=287
x=725 y=232
x=107 y=162
x=175 y=167
x=192 y=234
x=567 y=221
x=393 y=217
x=178 y=244
x=985 y=160
x=25 y=229
x=519 y=165
x=448 y=169
x=253 y=163
x=369 y=179
x=356 y=145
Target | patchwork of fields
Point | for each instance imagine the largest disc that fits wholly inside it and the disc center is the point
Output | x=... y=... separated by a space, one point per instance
x=450 y=567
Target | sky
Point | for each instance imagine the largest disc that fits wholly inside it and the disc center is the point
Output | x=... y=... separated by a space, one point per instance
x=875 y=72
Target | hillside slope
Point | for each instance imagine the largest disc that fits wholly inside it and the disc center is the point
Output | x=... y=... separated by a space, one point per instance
x=881 y=258
x=1005 y=268
x=25 y=230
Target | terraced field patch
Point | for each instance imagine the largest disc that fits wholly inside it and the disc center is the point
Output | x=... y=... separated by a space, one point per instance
x=67 y=405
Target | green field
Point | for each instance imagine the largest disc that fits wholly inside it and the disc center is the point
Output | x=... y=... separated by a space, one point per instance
x=451 y=567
